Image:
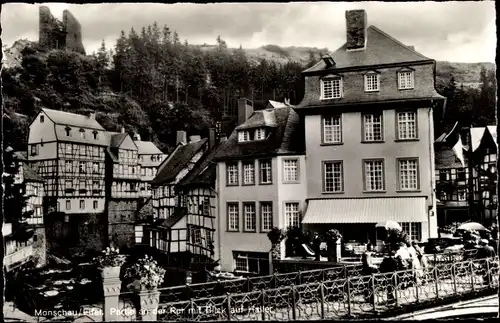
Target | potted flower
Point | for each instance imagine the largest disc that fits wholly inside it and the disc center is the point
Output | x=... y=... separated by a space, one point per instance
x=146 y=272
x=333 y=238
x=110 y=262
x=276 y=235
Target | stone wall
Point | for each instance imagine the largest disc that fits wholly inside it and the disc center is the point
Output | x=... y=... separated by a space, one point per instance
x=56 y=34
x=122 y=215
x=40 y=246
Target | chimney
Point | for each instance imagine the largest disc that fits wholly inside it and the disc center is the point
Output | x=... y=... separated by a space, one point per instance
x=356 y=24
x=122 y=130
x=181 y=137
x=137 y=137
x=245 y=110
x=211 y=138
x=91 y=115
x=193 y=139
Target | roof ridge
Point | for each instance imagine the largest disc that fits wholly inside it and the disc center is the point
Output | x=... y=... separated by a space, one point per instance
x=376 y=29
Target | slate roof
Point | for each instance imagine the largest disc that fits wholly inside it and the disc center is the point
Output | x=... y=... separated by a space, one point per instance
x=30 y=174
x=170 y=221
x=262 y=118
x=179 y=159
x=147 y=148
x=205 y=171
x=286 y=138
x=380 y=49
x=116 y=139
x=72 y=119
x=445 y=157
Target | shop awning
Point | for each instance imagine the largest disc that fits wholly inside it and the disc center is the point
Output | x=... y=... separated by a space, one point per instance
x=366 y=210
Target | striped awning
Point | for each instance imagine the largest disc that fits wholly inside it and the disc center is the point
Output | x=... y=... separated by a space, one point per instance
x=366 y=210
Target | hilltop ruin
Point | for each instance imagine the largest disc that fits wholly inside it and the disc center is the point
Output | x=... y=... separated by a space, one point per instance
x=56 y=34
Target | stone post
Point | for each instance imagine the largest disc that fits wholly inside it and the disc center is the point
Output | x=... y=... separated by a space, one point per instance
x=111 y=284
x=149 y=304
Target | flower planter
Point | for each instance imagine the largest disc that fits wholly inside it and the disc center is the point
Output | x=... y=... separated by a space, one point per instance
x=111 y=272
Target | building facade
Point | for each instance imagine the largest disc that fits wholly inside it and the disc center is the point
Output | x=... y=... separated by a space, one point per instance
x=261 y=181
x=368 y=111
x=150 y=158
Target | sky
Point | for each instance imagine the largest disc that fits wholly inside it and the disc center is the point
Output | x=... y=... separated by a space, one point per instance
x=451 y=31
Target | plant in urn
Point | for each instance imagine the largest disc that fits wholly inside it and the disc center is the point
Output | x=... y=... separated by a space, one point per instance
x=146 y=273
x=333 y=239
x=110 y=262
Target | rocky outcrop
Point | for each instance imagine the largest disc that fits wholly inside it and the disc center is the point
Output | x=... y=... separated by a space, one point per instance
x=56 y=34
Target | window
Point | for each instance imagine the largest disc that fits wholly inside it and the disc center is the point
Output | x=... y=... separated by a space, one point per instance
x=196 y=235
x=95 y=205
x=69 y=184
x=138 y=233
x=96 y=151
x=69 y=166
x=42 y=119
x=241 y=263
x=82 y=167
x=82 y=204
x=266 y=216
x=82 y=185
x=290 y=170
x=95 y=185
x=248 y=173
x=68 y=149
x=461 y=175
x=462 y=194
x=95 y=133
x=68 y=205
x=35 y=191
x=34 y=150
x=292 y=215
x=232 y=174
x=413 y=229
x=95 y=168
x=332 y=130
x=265 y=172
x=260 y=134
x=372 y=127
x=243 y=135
x=331 y=88
x=233 y=217
x=82 y=133
x=249 y=216
x=68 y=131
x=374 y=175
x=372 y=82
x=251 y=262
x=408 y=174
x=205 y=206
x=407 y=125
x=444 y=174
x=333 y=177
x=83 y=151
x=405 y=80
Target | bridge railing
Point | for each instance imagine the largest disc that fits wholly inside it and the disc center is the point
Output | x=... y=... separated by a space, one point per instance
x=355 y=296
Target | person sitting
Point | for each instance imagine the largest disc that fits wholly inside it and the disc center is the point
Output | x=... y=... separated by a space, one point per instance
x=403 y=256
x=367 y=260
x=390 y=265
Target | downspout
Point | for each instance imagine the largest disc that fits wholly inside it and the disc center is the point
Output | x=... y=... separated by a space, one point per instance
x=431 y=164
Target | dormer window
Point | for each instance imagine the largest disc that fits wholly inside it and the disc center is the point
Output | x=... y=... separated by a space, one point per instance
x=82 y=133
x=95 y=133
x=331 y=88
x=372 y=82
x=405 y=80
x=153 y=158
x=243 y=136
x=260 y=134
x=68 y=131
x=42 y=119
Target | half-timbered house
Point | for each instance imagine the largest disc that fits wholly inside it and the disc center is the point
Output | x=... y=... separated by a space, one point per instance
x=150 y=158
x=123 y=179
x=68 y=151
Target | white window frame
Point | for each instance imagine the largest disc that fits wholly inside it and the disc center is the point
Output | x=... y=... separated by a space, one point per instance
x=68 y=184
x=332 y=129
x=243 y=136
x=233 y=217
x=266 y=165
x=242 y=259
x=370 y=123
x=68 y=166
x=266 y=216
x=370 y=85
x=292 y=214
x=139 y=233
x=413 y=229
x=291 y=170
x=249 y=173
x=328 y=94
x=232 y=174
x=372 y=168
x=408 y=173
x=337 y=176
x=260 y=134
x=406 y=80
x=407 y=128
x=249 y=217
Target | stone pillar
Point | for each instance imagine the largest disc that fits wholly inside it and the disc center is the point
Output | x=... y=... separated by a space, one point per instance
x=149 y=304
x=111 y=284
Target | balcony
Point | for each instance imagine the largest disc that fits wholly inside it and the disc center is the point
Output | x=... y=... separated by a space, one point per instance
x=20 y=256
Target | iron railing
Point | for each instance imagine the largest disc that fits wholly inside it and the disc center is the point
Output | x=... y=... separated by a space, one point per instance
x=351 y=297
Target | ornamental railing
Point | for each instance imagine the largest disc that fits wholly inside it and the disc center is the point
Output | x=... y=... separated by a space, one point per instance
x=351 y=297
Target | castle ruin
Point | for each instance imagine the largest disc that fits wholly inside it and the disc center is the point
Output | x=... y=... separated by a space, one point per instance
x=56 y=34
